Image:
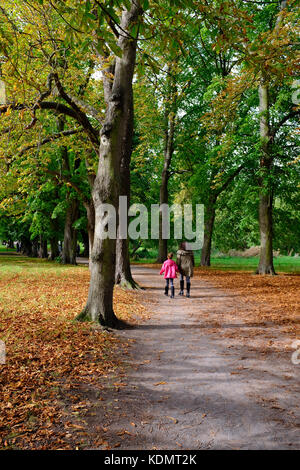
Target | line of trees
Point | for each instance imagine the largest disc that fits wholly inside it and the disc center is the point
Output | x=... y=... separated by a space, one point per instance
x=178 y=101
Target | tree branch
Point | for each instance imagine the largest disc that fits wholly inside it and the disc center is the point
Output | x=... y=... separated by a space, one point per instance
x=80 y=115
x=290 y=115
x=230 y=178
x=50 y=138
x=64 y=178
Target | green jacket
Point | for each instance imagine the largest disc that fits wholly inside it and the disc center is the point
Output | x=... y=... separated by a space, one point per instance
x=185 y=262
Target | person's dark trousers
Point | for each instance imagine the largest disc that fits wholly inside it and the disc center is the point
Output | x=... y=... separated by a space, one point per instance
x=167 y=287
x=170 y=280
x=188 y=286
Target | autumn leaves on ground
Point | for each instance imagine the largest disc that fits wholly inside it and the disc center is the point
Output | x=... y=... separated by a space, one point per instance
x=47 y=352
x=49 y=355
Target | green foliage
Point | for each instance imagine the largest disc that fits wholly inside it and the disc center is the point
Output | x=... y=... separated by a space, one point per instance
x=201 y=61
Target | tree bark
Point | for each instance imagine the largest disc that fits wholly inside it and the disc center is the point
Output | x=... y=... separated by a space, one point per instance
x=265 y=186
x=43 y=252
x=266 y=265
x=26 y=246
x=70 y=233
x=85 y=240
x=34 y=251
x=164 y=193
x=163 y=199
x=123 y=276
x=54 y=248
x=90 y=211
x=209 y=220
x=119 y=98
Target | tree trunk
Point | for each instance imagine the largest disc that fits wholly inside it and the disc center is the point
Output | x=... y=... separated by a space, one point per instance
x=85 y=240
x=119 y=99
x=123 y=275
x=164 y=193
x=90 y=211
x=54 y=248
x=70 y=233
x=265 y=224
x=163 y=199
x=265 y=192
x=35 y=247
x=208 y=231
x=43 y=252
x=26 y=246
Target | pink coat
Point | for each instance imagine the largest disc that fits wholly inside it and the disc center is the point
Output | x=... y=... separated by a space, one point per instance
x=170 y=269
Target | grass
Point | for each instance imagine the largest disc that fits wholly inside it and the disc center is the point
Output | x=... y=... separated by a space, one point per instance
x=5 y=249
x=286 y=264
x=23 y=264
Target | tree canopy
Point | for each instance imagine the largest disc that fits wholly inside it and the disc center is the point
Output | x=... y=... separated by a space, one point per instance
x=162 y=101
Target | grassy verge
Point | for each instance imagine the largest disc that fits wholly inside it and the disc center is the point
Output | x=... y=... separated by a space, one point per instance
x=262 y=301
x=5 y=249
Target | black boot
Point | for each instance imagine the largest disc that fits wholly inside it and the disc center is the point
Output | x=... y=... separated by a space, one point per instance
x=172 y=292
x=181 y=287
x=188 y=288
x=166 y=290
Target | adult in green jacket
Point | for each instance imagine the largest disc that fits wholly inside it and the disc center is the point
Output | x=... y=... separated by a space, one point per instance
x=185 y=262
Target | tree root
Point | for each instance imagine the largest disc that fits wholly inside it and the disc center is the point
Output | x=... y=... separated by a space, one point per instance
x=129 y=284
x=268 y=270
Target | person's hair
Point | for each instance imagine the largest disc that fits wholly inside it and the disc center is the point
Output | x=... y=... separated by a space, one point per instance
x=182 y=246
x=170 y=255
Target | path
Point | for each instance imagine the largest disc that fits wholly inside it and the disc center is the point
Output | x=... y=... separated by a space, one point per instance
x=190 y=389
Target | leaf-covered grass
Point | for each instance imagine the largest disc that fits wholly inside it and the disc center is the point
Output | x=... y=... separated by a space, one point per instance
x=262 y=300
x=47 y=352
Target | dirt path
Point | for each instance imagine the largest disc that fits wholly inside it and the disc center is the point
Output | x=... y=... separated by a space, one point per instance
x=190 y=388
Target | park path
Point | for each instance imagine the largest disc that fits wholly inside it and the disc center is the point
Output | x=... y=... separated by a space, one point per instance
x=187 y=387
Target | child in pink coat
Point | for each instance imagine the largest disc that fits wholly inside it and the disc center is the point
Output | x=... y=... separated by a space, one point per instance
x=170 y=269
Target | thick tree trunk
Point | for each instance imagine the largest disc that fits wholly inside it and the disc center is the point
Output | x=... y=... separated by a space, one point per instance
x=119 y=98
x=266 y=265
x=35 y=248
x=266 y=237
x=90 y=211
x=123 y=275
x=209 y=220
x=43 y=252
x=85 y=240
x=70 y=233
x=26 y=246
x=54 y=248
x=265 y=193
